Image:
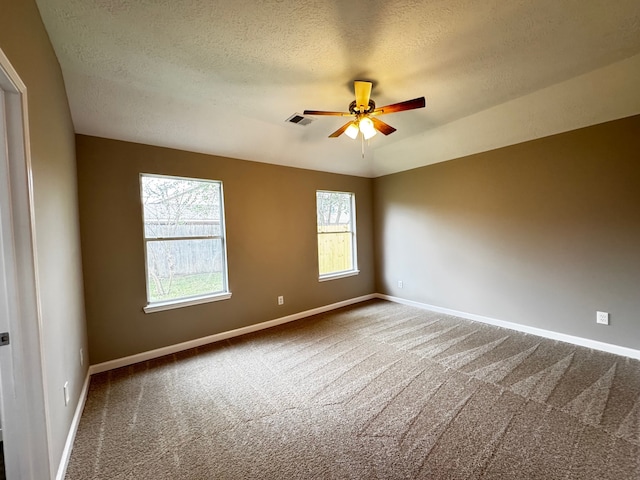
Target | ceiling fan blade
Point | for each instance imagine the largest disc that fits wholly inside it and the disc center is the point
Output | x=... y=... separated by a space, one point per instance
x=399 y=107
x=320 y=112
x=363 y=93
x=340 y=131
x=382 y=127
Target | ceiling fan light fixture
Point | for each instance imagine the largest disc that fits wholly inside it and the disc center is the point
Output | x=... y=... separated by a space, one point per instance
x=352 y=130
x=363 y=108
x=367 y=128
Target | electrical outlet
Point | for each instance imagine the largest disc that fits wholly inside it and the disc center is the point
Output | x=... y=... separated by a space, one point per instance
x=400 y=284
x=602 y=318
x=280 y=300
x=65 y=389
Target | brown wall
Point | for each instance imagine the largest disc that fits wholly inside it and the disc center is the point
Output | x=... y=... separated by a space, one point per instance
x=542 y=233
x=24 y=41
x=271 y=235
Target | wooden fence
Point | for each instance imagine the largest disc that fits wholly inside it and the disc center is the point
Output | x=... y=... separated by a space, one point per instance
x=334 y=252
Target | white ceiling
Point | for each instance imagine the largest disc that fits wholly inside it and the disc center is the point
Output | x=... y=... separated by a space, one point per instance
x=221 y=77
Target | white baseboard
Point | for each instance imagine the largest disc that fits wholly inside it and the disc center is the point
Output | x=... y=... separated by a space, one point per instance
x=198 y=342
x=71 y=436
x=583 y=342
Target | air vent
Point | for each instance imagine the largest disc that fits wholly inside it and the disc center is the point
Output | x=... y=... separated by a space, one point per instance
x=299 y=119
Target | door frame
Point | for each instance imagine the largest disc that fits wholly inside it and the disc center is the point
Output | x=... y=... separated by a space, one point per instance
x=24 y=404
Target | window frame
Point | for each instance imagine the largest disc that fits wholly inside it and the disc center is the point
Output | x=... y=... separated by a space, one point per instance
x=354 y=240
x=180 y=302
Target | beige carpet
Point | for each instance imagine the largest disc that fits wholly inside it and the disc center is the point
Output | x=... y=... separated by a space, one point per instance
x=373 y=391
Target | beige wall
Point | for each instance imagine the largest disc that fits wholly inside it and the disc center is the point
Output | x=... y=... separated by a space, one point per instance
x=24 y=41
x=542 y=233
x=271 y=233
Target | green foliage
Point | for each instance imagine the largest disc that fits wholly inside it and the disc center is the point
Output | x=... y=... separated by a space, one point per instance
x=182 y=286
x=333 y=208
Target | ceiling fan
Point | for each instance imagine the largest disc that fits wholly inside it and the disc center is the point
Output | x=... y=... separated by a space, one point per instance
x=365 y=112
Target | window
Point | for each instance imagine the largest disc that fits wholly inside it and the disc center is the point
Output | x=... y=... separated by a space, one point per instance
x=336 y=234
x=184 y=239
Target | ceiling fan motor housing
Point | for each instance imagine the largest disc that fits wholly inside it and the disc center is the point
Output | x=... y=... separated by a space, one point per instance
x=353 y=108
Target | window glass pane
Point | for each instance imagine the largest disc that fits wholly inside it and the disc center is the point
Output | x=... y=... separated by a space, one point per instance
x=336 y=232
x=334 y=252
x=176 y=207
x=334 y=211
x=184 y=268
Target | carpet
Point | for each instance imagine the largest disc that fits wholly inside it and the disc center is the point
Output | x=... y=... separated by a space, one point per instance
x=372 y=391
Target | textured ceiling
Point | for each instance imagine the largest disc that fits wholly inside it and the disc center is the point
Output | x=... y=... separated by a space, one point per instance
x=222 y=77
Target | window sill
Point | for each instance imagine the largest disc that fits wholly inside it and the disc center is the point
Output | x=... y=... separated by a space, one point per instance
x=186 y=302
x=334 y=276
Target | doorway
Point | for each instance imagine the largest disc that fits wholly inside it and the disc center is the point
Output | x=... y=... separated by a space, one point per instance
x=3 y=475
x=4 y=293
x=23 y=413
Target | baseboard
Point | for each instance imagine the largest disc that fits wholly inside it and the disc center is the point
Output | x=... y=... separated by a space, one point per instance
x=71 y=436
x=160 y=352
x=583 y=342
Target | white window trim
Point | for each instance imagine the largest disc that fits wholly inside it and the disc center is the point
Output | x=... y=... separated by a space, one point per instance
x=152 y=307
x=354 y=243
x=185 y=302
x=335 y=276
